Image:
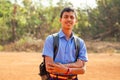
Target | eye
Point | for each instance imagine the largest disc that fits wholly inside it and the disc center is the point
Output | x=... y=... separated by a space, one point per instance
x=72 y=17
x=65 y=16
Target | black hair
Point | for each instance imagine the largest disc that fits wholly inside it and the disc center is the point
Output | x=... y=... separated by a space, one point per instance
x=68 y=9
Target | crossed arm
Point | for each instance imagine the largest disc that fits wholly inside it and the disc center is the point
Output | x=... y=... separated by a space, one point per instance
x=77 y=67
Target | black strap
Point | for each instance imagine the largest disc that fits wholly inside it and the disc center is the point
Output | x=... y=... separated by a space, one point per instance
x=77 y=46
x=55 y=44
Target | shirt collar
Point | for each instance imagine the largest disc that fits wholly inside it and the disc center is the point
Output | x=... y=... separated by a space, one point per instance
x=61 y=34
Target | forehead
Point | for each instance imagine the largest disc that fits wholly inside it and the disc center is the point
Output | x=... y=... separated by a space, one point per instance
x=69 y=14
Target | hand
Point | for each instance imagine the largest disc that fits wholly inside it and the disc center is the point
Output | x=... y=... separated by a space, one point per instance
x=56 y=68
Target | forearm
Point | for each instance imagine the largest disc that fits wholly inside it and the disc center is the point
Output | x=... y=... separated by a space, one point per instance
x=77 y=67
x=72 y=65
x=77 y=64
x=55 y=68
x=77 y=70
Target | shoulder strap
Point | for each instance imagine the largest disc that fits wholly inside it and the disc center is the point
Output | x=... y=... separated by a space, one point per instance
x=55 y=44
x=77 y=46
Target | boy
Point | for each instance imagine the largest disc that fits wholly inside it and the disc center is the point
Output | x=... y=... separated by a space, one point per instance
x=64 y=66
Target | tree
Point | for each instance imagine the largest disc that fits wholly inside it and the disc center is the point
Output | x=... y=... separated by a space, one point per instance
x=106 y=20
x=5 y=15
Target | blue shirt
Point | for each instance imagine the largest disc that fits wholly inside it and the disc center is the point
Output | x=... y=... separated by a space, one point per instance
x=66 y=51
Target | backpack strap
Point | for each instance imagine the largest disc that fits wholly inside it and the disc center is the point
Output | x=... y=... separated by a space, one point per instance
x=55 y=44
x=77 y=46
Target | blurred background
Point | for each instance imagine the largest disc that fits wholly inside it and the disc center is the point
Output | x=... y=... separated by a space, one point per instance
x=24 y=24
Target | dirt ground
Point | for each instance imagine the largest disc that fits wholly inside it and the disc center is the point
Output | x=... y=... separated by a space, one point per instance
x=24 y=66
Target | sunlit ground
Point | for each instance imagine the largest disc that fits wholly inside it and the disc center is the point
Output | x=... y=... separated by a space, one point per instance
x=24 y=66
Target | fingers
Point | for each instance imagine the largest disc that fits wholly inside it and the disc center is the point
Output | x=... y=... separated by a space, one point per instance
x=52 y=68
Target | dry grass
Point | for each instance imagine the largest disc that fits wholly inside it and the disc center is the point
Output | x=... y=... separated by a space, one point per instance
x=24 y=66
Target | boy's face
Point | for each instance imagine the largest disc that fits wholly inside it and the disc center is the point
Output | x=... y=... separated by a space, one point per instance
x=68 y=20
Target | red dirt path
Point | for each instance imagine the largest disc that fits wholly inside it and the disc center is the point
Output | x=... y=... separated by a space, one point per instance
x=24 y=66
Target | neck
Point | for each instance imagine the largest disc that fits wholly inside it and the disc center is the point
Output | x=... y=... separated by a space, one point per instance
x=67 y=33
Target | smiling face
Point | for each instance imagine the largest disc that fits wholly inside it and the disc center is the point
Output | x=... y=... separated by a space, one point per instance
x=68 y=20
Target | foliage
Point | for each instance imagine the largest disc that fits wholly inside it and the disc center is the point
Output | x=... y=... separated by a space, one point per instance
x=82 y=27
x=105 y=20
x=34 y=20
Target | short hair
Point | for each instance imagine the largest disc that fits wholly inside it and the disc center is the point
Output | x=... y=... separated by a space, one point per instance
x=68 y=9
